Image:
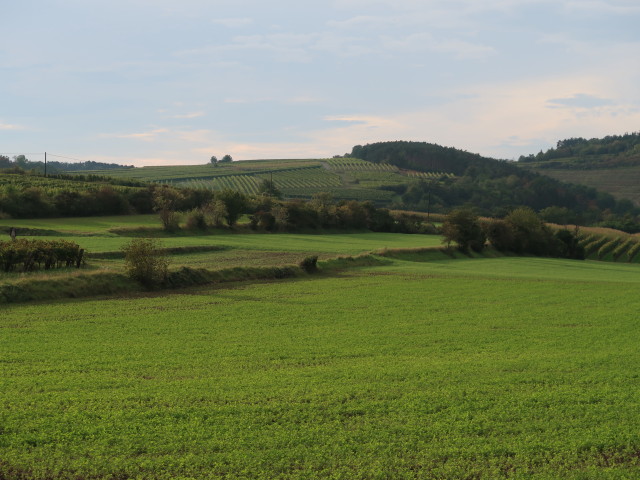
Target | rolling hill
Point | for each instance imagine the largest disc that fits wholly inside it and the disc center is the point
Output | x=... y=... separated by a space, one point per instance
x=610 y=164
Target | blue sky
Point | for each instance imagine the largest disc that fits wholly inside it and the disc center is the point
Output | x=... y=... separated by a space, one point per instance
x=150 y=82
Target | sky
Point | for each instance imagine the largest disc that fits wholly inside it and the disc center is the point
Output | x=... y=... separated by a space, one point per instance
x=159 y=82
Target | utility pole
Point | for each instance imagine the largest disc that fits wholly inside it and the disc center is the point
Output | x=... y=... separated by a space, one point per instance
x=45 y=164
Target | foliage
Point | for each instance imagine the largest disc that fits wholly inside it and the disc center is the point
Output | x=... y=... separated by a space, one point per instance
x=235 y=203
x=463 y=227
x=35 y=254
x=215 y=213
x=166 y=201
x=493 y=187
x=54 y=166
x=145 y=262
x=268 y=187
x=196 y=219
x=610 y=151
x=310 y=264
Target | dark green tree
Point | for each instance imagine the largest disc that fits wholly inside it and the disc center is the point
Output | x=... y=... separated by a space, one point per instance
x=236 y=204
x=462 y=226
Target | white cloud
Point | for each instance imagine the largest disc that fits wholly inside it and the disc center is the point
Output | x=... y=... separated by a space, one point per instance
x=189 y=115
x=580 y=101
x=9 y=126
x=145 y=136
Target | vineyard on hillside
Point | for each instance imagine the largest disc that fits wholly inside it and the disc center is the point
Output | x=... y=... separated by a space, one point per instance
x=344 y=178
x=612 y=248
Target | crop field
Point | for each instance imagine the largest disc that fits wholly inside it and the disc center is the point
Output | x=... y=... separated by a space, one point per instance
x=51 y=185
x=477 y=368
x=344 y=178
x=622 y=182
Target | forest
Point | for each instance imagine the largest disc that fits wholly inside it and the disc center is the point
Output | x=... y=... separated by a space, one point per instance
x=492 y=187
x=608 y=152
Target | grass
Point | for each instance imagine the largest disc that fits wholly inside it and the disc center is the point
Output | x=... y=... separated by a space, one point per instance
x=477 y=368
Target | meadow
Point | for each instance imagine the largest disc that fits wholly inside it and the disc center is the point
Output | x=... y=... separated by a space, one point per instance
x=102 y=236
x=475 y=368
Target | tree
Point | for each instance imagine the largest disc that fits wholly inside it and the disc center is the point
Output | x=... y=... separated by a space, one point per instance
x=215 y=212
x=235 y=202
x=226 y=159
x=166 y=201
x=268 y=187
x=145 y=262
x=462 y=227
x=213 y=160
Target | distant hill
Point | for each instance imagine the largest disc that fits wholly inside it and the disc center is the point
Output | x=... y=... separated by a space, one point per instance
x=55 y=166
x=491 y=186
x=610 y=164
x=613 y=151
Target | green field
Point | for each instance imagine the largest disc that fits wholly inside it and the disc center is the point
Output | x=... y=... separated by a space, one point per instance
x=477 y=368
x=233 y=248
x=344 y=178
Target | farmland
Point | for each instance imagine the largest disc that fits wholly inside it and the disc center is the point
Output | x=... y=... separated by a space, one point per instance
x=375 y=373
x=344 y=178
x=417 y=365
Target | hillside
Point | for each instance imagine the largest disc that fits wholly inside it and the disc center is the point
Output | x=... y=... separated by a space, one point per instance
x=343 y=178
x=491 y=186
x=610 y=164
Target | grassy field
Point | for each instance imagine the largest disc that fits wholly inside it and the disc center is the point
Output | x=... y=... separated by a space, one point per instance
x=234 y=248
x=479 y=368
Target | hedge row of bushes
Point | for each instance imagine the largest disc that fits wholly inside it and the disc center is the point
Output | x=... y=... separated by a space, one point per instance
x=29 y=255
x=521 y=231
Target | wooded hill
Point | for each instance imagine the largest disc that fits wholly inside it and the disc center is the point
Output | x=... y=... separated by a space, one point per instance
x=399 y=175
x=492 y=187
x=610 y=164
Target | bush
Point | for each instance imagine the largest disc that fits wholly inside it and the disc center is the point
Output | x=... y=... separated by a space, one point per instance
x=196 y=220
x=35 y=254
x=145 y=262
x=462 y=227
x=310 y=264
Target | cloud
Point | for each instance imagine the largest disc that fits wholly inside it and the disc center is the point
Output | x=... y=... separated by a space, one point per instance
x=9 y=126
x=145 y=136
x=189 y=115
x=580 y=100
x=233 y=22
x=598 y=7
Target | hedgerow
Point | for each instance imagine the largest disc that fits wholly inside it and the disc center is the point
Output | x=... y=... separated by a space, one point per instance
x=32 y=255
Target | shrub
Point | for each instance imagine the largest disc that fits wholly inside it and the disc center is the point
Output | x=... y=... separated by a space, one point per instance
x=35 y=254
x=310 y=264
x=462 y=227
x=196 y=220
x=569 y=244
x=145 y=261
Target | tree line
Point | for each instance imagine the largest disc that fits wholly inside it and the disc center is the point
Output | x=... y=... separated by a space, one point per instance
x=610 y=151
x=522 y=231
x=54 y=166
x=493 y=187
